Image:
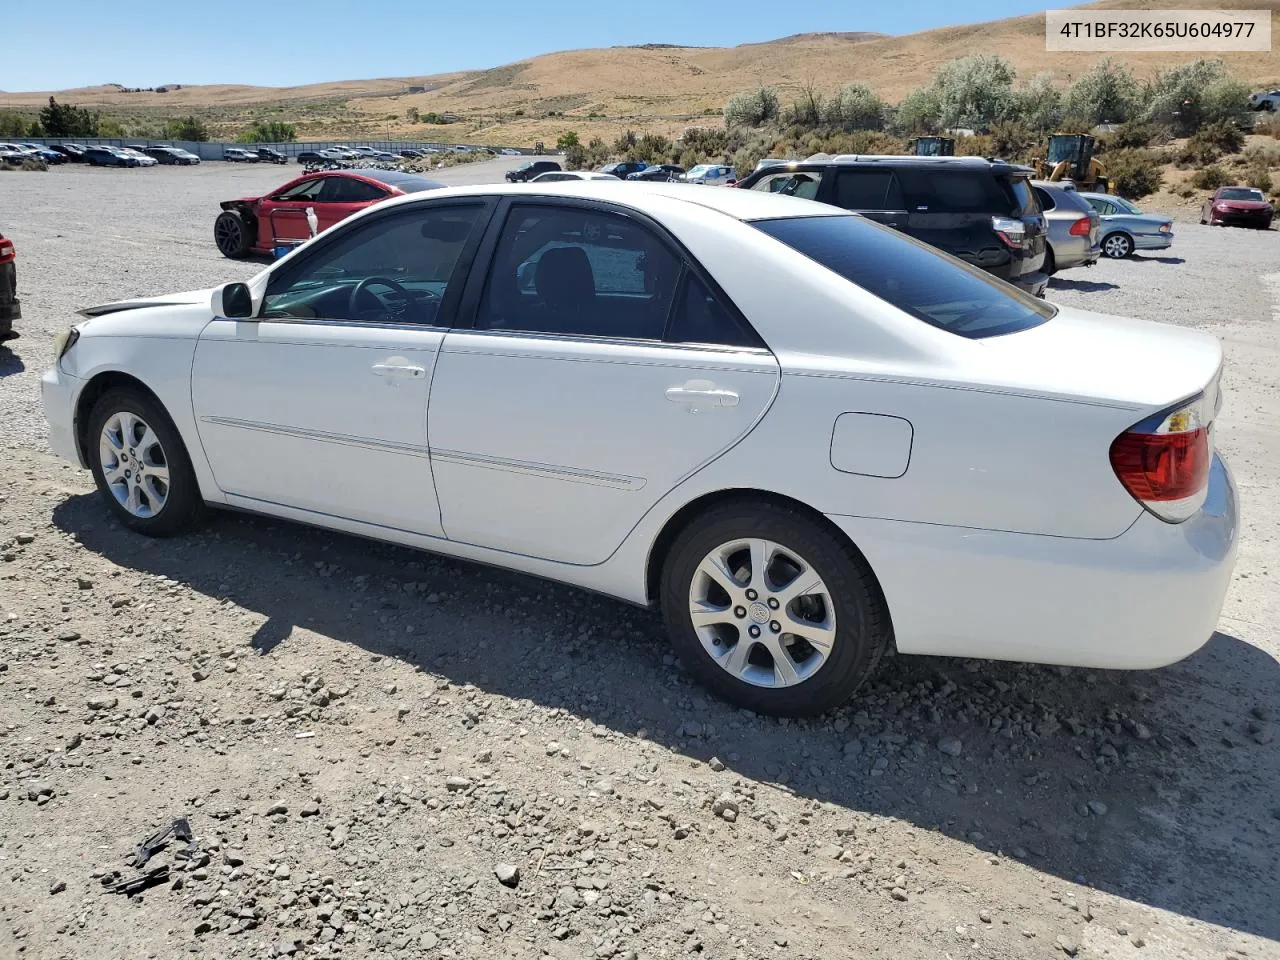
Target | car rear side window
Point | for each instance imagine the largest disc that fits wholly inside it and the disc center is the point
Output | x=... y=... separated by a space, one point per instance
x=799 y=183
x=932 y=191
x=915 y=278
x=700 y=317
x=1046 y=201
x=868 y=190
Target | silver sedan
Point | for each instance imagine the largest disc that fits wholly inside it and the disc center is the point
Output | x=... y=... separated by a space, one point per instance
x=1125 y=228
x=1072 y=227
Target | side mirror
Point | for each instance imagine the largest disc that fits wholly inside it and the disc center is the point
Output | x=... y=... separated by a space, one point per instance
x=233 y=301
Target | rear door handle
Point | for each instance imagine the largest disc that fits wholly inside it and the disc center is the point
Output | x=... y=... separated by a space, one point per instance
x=702 y=395
x=398 y=371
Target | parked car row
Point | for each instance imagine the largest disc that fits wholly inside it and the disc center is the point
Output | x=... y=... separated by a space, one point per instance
x=19 y=151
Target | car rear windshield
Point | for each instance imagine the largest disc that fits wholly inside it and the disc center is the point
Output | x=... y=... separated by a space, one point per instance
x=914 y=277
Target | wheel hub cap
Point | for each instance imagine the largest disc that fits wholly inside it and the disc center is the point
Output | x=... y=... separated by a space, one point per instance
x=744 y=585
x=135 y=469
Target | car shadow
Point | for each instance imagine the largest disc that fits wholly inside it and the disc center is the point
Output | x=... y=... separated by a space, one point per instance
x=1081 y=286
x=1156 y=786
x=10 y=362
x=1144 y=258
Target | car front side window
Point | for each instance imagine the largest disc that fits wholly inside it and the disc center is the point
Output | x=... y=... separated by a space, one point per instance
x=307 y=190
x=578 y=271
x=392 y=269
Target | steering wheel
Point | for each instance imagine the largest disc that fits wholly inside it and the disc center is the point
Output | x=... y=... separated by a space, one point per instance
x=406 y=296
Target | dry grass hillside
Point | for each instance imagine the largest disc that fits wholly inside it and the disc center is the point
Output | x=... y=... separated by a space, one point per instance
x=654 y=87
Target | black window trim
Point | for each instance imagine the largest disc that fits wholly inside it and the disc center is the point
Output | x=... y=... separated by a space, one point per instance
x=483 y=264
x=462 y=269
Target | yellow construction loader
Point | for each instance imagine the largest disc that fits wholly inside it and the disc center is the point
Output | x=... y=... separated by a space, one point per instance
x=1070 y=157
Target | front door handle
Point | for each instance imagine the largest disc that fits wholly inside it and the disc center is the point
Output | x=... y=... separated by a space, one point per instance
x=398 y=371
x=702 y=395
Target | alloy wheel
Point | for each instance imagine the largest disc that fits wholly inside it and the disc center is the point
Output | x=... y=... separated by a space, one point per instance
x=134 y=466
x=762 y=613
x=227 y=235
x=1117 y=246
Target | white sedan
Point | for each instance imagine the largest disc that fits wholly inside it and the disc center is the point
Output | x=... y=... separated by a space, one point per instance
x=806 y=437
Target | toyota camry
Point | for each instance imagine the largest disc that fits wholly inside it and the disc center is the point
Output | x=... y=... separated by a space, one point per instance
x=805 y=437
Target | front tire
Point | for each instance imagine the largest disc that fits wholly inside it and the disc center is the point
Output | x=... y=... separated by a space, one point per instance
x=231 y=234
x=141 y=466
x=771 y=610
x=1117 y=246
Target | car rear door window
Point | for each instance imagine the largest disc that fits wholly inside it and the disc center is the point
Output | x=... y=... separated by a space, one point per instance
x=578 y=271
x=861 y=189
x=700 y=317
x=914 y=277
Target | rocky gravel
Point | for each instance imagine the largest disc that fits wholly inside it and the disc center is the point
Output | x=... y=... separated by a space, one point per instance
x=385 y=753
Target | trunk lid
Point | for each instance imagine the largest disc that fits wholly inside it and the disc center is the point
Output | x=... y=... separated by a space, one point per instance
x=1105 y=359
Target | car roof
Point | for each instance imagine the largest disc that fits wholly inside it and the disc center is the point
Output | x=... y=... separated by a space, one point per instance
x=652 y=197
x=906 y=160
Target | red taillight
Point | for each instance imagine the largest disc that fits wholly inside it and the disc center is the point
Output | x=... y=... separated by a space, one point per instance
x=1080 y=228
x=1013 y=233
x=7 y=252
x=1164 y=460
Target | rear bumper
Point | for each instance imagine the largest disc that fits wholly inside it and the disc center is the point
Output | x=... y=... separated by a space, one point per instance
x=1152 y=241
x=1147 y=598
x=1034 y=283
x=1074 y=252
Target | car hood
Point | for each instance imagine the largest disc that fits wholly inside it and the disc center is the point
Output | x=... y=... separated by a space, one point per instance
x=167 y=300
x=1094 y=357
x=1243 y=204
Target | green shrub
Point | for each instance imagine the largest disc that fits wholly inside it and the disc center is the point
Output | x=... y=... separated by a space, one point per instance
x=1210 y=178
x=752 y=109
x=1226 y=135
x=186 y=128
x=1038 y=103
x=1197 y=153
x=1259 y=176
x=1106 y=94
x=1134 y=173
x=1190 y=96
x=854 y=107
x=1132 y=135
x=1012 y=140
x=919 y=113
x=269 y=131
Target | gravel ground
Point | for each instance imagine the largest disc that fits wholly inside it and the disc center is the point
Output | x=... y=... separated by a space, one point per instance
x=385 y=753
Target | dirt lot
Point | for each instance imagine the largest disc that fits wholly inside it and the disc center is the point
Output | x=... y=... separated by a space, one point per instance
x=382 y=753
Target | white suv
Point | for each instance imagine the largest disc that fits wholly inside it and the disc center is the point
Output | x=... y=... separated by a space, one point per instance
x=1265 y=101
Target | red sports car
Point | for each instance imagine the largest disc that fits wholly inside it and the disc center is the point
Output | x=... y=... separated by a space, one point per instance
x=263 y=225
x=1243 y=206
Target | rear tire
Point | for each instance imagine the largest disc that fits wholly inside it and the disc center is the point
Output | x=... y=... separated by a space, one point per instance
x=141 y=465
x=1117 y=246
x=1050 y=262
x=231 y=234
x=807 y=650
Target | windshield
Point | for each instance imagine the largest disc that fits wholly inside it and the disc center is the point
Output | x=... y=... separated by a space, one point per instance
x=916 y=278
x=700 y=170
x=1240 y=193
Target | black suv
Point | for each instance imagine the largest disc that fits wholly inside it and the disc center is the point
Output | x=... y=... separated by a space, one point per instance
x=982 y=211
x=527 y=171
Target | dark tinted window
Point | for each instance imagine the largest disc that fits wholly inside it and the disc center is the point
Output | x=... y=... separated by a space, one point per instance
x=701 y=317
x=307 y=190
x=1046 y=201
x=933 y=191
x=916 y=278
x=868 y=190
x=1027 y=202
x=577 y=271
x=388 y=269
x=349 y=190
x=1240 y=193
